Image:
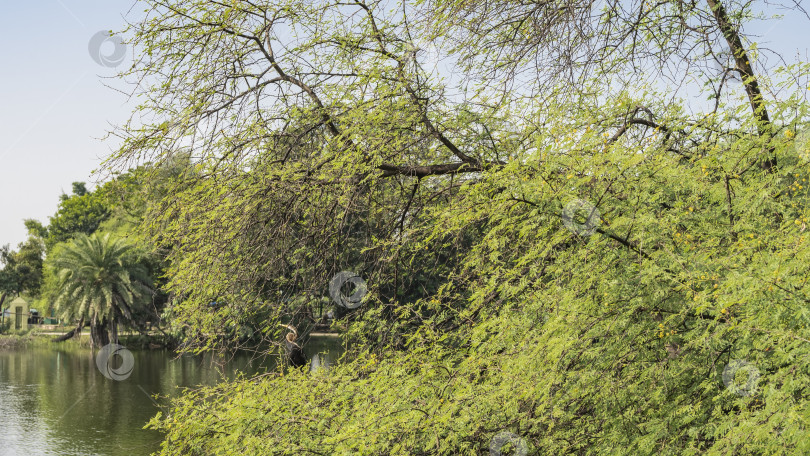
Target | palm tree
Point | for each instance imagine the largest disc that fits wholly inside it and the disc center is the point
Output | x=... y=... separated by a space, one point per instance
x=101 y=280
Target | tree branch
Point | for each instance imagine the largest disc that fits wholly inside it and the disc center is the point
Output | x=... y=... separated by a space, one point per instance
x=746 y=71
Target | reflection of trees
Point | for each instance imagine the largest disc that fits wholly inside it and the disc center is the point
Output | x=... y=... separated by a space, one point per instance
x=58 y=398
x=73 y=409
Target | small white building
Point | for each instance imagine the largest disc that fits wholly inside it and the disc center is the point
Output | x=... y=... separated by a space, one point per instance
x=17 y=312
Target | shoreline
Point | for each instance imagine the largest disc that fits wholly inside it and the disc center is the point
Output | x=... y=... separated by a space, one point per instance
x=133 y=341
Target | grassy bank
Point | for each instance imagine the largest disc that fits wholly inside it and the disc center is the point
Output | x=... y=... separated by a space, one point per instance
x=11 y=341
x=34 y=338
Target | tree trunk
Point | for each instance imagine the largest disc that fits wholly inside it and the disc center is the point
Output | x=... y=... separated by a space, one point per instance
x=71 y=333
x=743 y=63
x=98 y=334
x=113 y=331
x=2 y=313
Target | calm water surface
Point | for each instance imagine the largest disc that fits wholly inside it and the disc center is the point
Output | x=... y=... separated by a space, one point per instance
x=56 y=402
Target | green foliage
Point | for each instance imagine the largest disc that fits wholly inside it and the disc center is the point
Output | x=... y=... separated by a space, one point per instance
x=115 y=208
x=21 y=269
x=489 y=311
x=130 y=195
x=36 y=229
x=82 y=212
x=611 y=344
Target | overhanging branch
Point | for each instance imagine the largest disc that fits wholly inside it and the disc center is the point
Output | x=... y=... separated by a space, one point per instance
x=429 y=170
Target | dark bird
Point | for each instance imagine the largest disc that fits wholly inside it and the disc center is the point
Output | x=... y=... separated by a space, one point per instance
x=295 y=354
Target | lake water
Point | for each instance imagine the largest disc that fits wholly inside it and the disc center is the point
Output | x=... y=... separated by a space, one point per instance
x=55 y=401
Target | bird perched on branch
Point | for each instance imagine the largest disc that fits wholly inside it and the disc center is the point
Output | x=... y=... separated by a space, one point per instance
x=294 y=352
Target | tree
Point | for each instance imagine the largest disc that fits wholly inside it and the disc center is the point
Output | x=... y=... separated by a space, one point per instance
x=494 y=305
x=572 y=41
x=10 y=283
x=101 y=282
x=22 y=269
x=115 y=208
x=81 y=212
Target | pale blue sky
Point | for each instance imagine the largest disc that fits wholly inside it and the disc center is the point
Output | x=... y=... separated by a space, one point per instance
x=54 y=106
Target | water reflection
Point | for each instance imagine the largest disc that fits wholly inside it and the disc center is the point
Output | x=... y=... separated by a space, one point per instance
x=56 y=402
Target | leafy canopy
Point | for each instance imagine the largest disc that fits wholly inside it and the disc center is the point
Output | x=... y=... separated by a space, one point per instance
x=320 y=139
